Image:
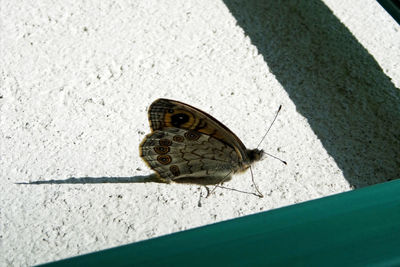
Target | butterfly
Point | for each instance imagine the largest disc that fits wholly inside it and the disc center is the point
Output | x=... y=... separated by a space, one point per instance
x=186 y=142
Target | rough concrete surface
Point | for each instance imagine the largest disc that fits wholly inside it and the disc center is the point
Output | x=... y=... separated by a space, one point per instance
x=77 y=78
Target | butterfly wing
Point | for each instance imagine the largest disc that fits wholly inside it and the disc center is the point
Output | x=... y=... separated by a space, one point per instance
x=165 y=113
x=178 y=153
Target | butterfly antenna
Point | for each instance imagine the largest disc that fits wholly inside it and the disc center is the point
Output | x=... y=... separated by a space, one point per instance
x=284 y=162
x=265 y=135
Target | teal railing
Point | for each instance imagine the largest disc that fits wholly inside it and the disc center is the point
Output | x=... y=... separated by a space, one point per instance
x=356 y=228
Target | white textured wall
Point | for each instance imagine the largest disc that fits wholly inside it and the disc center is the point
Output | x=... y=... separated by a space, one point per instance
x=76 y=80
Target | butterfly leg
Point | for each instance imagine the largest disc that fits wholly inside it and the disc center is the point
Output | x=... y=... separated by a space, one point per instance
x=201 y=195
x=259 y=194
x=224 y=179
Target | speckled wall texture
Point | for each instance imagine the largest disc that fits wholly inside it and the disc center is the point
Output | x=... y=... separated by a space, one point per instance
x=77 y=78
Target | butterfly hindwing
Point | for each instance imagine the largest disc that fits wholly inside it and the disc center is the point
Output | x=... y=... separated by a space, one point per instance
x=179 y=153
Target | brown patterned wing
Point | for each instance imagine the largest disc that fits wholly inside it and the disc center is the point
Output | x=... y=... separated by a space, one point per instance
x=165 y=113
x=178 y=153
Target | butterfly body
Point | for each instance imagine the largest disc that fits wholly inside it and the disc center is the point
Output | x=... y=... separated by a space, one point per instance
x=186 y=142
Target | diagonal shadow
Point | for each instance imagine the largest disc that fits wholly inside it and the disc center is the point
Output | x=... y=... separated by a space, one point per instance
x=349 y=102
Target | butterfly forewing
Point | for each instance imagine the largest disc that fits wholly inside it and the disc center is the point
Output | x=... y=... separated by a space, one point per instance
x=165 y=113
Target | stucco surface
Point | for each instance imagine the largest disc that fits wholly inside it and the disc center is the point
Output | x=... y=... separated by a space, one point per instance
x=77 y=78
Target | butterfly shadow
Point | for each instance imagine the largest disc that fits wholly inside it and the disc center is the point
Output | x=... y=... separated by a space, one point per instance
x=151 y=178
x=352 y=106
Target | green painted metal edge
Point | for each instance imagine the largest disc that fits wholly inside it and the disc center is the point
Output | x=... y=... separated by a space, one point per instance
x=392 y=7
x=356 y=228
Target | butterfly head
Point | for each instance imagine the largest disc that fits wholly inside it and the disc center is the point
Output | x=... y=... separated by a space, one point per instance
x=254 y=154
